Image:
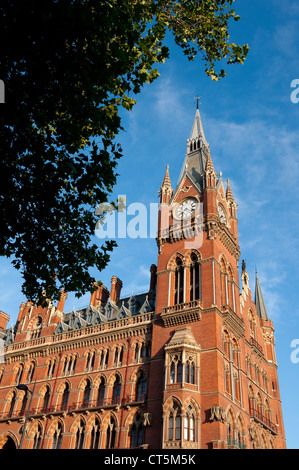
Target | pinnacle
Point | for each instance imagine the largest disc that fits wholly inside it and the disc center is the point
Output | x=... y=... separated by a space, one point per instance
x=209 y=165
x=166 y=181
x=229 y=194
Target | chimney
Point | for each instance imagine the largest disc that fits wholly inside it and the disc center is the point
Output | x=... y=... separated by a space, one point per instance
x=116 y=285
x=3 y=320
x=153 y=282
x=99 y=296
x=61 y=301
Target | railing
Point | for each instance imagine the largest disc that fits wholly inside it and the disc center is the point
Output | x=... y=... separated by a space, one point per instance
x=263 y=419
x=79 y=405
x=183 y=306
x=256 y=344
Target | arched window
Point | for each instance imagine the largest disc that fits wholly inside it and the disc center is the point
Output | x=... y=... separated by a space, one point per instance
x=174 y=423
x=176 y=370
x=80 y=433
x=24 y=403
x=31 y=372
x=101 y=392
x=46 y=400
x=95 y=435
x=86 y=393
x=140 y=387
x=12 y=404
x=179 y=282
x=57 y=437
x=51 y=368
x=137 y=432
x=104 y=358
x=65 y=397
x=195 y=278
x=190 y=371
x=19 y=374
x=189 y=425
x=37 y=438
x=110 y=434
x=90 y=360
x=116 y=391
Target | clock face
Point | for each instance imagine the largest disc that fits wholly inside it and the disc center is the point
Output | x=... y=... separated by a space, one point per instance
x=221 y=214
x=186 y=208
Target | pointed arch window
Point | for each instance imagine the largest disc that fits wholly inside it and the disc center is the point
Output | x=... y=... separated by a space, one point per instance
x=110 y=434
x=140 y=387
x=46 y=400
x=176 y=369
x=12 y=404
x=65 y=397
x=80 y=433
x=195 y=278
x=190 y=371
x=174 y=423
x=37 y=438
x=101 y=392
x=189 y=425
x=179 y=282
x=86 y=394
x=95 y=435
x=19 y=374
x=31 y=372
x=137 y=432
x=116 y=391
x=24 y=403
x=57 y=437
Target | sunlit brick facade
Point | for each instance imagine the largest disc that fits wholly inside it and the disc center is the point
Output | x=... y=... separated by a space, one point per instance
x=190 y=364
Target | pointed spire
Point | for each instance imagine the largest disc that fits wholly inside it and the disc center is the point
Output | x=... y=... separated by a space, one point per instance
x=166 y=190
x=197 y=129
x=209 y=165
x=259 y=300
x=166 y=182
x=229 y=194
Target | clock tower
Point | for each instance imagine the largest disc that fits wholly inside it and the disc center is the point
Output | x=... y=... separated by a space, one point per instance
x=202 y=338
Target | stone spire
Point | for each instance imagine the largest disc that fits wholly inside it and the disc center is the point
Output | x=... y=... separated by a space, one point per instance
x=229 y=194
x=166 y=190
x=259 y=300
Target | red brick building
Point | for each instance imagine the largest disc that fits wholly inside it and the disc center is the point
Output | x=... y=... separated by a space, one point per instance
x=190 y=364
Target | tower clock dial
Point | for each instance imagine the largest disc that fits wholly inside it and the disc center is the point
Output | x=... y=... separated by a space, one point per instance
x=185 y=209
x=221 y=215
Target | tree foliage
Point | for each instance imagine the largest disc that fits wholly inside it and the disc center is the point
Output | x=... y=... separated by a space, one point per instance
x=69 y=66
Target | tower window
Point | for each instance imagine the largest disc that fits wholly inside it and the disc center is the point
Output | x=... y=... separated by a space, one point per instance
x=179 y=282
x=195 y=278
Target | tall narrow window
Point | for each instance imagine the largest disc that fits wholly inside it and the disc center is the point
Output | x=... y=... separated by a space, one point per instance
x=137 y=432
x=65 y=397
x=95 y=435
x=31 y=372
x=12 y=404
x=101 y=392
x=179 y=282
x=176 y=370
x=195 y=278
x=19 y=374
x=86 y=394
x=110 y=434
x=24 y=404
x=174 y=423
x=57 y=437
x=46 y=400
x=37 y=439
x=80 y=435
x=116 y=391
x=140 y=387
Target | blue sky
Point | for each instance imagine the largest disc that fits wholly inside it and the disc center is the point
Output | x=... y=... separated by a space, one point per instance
x=252 y=127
